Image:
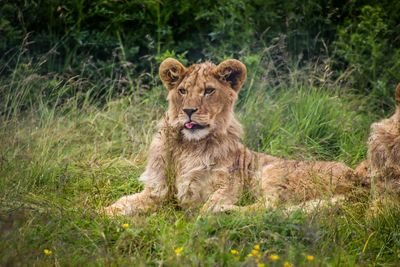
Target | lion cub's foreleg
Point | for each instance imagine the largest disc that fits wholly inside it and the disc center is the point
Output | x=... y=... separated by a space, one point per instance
x=155 y=191
x=154 y=194
x=134 y=204
x=226 y=194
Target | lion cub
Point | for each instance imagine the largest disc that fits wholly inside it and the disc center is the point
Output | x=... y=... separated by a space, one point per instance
x=197 y=157
x=383 y=163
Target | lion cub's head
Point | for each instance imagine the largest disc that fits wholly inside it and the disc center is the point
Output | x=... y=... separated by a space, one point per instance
x=201 y=97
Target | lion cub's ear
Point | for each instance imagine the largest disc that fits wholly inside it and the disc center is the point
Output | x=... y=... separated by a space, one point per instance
x=232 y=71
x=171 y=72
x=398 y=94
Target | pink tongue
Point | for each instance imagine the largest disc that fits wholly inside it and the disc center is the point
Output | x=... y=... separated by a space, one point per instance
x=190 y=125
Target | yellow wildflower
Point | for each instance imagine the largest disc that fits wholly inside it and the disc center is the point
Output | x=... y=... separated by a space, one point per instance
x=261 y=265
x=234 y=252
x=256 y=247
x=310 y=257
x=287 y=264
x=178 y=251
x=274 y=257
x=47 y=252
x=254 y=253
x=125 y=225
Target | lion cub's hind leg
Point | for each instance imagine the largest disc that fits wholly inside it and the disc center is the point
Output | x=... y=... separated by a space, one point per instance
x=313 y=205
x=304 y=185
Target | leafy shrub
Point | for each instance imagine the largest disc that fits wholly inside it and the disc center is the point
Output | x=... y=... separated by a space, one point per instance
x=98 y=39
x=201 y=30
x=367 y=45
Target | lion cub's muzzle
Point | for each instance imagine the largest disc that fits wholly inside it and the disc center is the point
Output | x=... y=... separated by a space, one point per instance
x=192 y=124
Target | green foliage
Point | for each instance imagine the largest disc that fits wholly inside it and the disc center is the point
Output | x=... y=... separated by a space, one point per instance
x=364 y=46
x=303 y=119
x=167 y=54
x=203 y=29
x=93 y=35
x=370 y=47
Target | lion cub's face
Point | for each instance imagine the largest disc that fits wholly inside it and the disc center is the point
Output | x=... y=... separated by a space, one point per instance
x=201 y=97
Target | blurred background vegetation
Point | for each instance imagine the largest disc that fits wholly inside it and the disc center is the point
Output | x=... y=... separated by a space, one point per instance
x=358 y=40
x=80 y=97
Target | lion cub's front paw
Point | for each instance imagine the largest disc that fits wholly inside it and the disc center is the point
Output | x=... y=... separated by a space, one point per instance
x=209 y=209
x=114 y=210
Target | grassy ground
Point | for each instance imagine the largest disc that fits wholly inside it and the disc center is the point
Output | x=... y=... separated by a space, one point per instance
x=64 y=156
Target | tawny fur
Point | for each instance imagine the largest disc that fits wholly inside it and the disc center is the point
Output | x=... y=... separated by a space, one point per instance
x=210 y=167
x=383 y=163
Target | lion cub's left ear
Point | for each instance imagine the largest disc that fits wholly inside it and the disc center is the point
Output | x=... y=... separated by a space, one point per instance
x=232 y=71
x=171 y=72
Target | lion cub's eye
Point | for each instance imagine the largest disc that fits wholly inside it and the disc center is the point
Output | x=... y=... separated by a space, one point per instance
x=182 y=91
x=209 y=91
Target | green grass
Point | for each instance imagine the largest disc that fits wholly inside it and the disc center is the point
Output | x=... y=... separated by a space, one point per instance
x=64 y=155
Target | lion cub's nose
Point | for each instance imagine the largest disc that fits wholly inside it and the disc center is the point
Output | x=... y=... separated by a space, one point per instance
x=189 y=111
